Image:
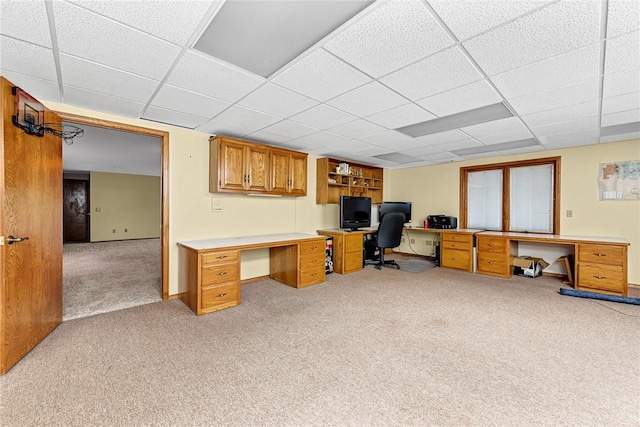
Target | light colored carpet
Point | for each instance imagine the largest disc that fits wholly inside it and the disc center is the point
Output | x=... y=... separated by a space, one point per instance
x=106 y=276
x=373 y=348
x=411 y=263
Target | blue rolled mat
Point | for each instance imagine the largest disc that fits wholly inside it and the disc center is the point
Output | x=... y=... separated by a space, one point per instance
x=594 y=295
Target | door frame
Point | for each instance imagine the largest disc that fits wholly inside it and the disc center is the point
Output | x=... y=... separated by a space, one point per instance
x=164 y=136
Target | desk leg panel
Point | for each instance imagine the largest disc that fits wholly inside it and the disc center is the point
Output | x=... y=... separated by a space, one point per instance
x=284 y=264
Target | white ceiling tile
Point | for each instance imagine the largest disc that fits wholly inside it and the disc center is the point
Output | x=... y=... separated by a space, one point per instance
x=628 y=116
x=404 y=115
x=621 y=83
x=208 y=77
x=471 y=17
x=475 y=95
x=215 y=127
x=172 y=117
x=622 y=53
x=442 y=157
x=174 y=21
x=620 y=137
x=521 y=150
x=109 y=81
x=321 y=76
x=392 y=140
x=438 y=73
x=87 y=35
x=42 y=90
x=423 y=152
x=25 y=20
x=623 y=16
x=357 y=129
x=459 y=145
x=290 y=129
x=567 y=127
x=323 y=117
x=373 y=150
x=101 y=102
x=442 y=137
x=619 y=103
x=351 y=145
x=325 y=138
x=368 y=99
x=561 y=70
x=567 y=140
x=393 y=35
x=247 y=119
x=303 y=145
x=176 y=99
x=567 y=95
x=276 y=100
x=268 y=138
x=508 y=125
x=563 y=114
x=499 y=138
x=479 y=155
x=27 y=58
x=552 y=30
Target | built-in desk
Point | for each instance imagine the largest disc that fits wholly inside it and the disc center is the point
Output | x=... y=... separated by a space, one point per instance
x=210 y=269
x=348 y=248
x=456 y=246
x=600 y=263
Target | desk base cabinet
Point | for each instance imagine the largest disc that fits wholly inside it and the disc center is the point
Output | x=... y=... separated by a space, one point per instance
x=601 y=268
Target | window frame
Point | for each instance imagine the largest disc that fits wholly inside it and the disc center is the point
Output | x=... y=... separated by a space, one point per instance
x=506 y=187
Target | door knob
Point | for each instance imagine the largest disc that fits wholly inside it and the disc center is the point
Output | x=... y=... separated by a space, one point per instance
x=11 y=239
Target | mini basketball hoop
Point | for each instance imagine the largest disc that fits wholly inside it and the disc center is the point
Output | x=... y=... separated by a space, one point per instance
x=30 y=117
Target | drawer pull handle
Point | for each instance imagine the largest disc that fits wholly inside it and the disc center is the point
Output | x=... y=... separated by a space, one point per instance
x=599 y=254
x=314 y=275
x=222 y=273
x=222 y=257
x=600 y=277
x=490 y=262
x=223 y=294
x=454 y=246
x=453 y=259
x=490 y=245
x=314 y=247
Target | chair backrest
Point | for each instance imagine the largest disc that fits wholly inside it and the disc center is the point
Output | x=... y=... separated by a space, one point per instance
x=390 y=230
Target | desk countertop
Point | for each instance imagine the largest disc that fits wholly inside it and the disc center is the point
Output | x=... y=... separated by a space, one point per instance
x=262 y=240
x=558 y=238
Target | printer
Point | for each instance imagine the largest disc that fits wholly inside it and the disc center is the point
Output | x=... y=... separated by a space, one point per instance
x=442 y=221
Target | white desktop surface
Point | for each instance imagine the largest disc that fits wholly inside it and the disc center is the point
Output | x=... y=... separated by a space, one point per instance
x=246 y=240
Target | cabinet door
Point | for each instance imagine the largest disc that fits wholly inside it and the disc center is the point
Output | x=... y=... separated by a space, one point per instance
x=280 y=171
x=232 y=170
x=298 y=168
x=258 y=167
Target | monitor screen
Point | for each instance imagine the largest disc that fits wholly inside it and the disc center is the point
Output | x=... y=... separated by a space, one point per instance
x=355 y=212
x=402 y=207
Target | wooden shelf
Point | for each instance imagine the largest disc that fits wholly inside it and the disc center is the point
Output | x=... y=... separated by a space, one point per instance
x=366 y=182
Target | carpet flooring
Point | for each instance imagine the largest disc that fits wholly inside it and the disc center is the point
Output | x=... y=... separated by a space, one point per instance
x=107 y=276
x=373 y=348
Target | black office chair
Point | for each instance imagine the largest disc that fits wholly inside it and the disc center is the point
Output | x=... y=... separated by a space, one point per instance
x=389 y=235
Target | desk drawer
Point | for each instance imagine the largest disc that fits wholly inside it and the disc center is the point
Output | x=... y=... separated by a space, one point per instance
x=219 y=297
x=491 y=244
x=494 y=264
x=220 y=274
x=446 y=244
x=457 y=237
x=353 y=243
x=214 y=258
x=599 y=276
x=451 y=258
x=353 y=261
x=311 y=276
x=312 y=247
x=311 y=261
x=600 y=254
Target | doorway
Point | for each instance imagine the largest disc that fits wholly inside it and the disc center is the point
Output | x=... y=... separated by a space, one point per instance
x=136 y=131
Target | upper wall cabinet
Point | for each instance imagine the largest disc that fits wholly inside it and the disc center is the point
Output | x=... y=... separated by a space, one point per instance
x=361 y=181
x=237 y=166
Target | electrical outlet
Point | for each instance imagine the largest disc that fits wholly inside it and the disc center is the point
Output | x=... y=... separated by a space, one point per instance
x=412 y=240
x=569 y=213
x=428 y=242
x=403 y=239
x=113 y=231
x=125 y=230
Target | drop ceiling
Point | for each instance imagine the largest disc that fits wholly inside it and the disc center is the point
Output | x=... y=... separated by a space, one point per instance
x=568 y=71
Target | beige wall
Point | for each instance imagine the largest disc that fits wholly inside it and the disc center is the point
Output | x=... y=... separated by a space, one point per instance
x=435 y=190
x=125 y=206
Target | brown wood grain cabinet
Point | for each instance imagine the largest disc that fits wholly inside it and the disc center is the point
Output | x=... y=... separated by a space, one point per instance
x=366 y=181
x=238 y=166
x=456 y=250
x=348 y=249
x=601 y=268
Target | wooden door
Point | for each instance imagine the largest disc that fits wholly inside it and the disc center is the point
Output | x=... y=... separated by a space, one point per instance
x=298 y=167
x=233 y=167
x=280 y=171
x=31 y=193
x=75 y=224
x=258 y=158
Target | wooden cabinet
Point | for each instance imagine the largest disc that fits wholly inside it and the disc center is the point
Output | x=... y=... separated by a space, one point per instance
x=288 y=172
x=365 y=181
x=456 y=250
x=601 y=268
x=348 y=249
x=237 y=166
x=311 y=269
x=300 y=265
x=494 y=256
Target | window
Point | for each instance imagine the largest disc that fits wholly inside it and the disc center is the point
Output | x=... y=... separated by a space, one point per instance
x=516 y=196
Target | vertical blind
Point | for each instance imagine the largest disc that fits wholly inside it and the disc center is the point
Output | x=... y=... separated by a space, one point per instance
x=531 y=199
x=485 y=200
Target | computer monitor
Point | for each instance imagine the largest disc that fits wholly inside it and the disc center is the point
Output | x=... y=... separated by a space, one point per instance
x=355 y=212
x=402 y=207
